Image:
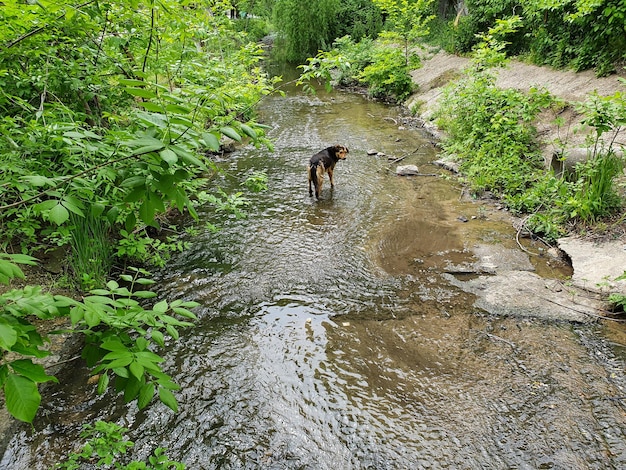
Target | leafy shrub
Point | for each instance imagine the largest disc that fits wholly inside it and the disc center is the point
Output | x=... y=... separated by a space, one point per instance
x=105 y=444
x=388 y=75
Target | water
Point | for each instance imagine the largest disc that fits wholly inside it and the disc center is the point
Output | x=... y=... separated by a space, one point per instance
x=328 y=339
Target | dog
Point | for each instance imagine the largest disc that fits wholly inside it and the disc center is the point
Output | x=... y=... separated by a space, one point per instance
x=322 y=162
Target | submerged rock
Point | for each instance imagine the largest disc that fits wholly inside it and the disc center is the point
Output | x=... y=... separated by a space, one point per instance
x=407 y=170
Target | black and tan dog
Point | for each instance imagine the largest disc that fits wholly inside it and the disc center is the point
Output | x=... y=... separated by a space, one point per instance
x=322 y=162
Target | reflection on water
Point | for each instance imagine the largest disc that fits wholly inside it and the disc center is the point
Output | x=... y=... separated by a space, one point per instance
x=328 y=339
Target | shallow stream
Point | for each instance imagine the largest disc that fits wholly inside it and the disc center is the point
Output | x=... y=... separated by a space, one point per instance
x=329 y=339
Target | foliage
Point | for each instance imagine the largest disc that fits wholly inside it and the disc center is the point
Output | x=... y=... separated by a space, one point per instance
x=120 y=336
x=91 y=250
x=388 y=74
x=305 y=27
x=98 y=120
x=491 y=129
x=581 y=34
x=381 y=67
x=105 y=444
x=359 y=19
x=492 y=132
x=619 y=300
x=409 y=20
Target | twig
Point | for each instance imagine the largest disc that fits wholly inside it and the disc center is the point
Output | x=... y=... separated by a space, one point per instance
x=595 y=315
x=505 y=341
x=71 y=359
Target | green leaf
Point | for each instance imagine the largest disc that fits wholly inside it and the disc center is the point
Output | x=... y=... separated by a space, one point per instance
x=168 y=399
x=187 y=157
x=103 y=383
x=160 y=307
x=168 y=156
x=157 y=337
x=22 y=397
x=38 y=180
x=172 y=331
x=230 y=132
x=176 y=108
x=114 y=345
x=211 y=141
x=59 y=214
x=8 y=335
x=146 y=394
x=9 y=271
x=249 y=131
x=153 y=107
x=136 y=369
x=131 y=389
x=133 y=82
x=141 y=92
x=34 y=372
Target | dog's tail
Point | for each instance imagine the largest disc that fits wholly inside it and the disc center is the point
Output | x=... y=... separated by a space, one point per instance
x=314 y=176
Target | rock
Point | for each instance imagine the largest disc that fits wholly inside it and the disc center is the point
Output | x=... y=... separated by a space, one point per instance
x=596 y=265
x=447 y=165
x=372 y=152
x=407 y=170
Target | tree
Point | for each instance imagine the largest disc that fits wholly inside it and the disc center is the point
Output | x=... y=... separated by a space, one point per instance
x=305 y=27
x=408 y=18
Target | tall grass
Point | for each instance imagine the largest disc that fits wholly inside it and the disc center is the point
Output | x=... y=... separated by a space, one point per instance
x=92 y=254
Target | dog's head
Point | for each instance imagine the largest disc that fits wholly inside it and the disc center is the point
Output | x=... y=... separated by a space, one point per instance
x=341 y=152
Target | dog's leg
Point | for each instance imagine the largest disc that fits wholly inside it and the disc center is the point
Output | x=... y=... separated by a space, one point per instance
x=330 y=176
x=310 y=175
x=319 y=180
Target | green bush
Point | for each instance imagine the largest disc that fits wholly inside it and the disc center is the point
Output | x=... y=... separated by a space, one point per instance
x=387 y=77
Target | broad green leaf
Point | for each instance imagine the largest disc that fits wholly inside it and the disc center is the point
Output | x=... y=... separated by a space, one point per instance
x=10 y=271
x=46 y=205
x=8 y=335
x=114 y=345
x=71 y=206
x=146 y=394
x=38 y=180
x=183 y=312
x=148 y=149
x=34 y=372
x=146 y=212
x=153 y=107
x=172 y=331
x=144 y=294
x=131 y=389
x=141 y=92
x=92 y=317
x=211 y=141
x=168 y=156
x=230 y=132
x=160 y=307
x=249 y=131
x=136 y=369
x=133 y=83
x=121 y=362
x=59 y=214
x=134 y=182
x=176 y=108
x=168 y=399
x=22 y=397
x=181 y=121
x=20 y=258
x=157 y=337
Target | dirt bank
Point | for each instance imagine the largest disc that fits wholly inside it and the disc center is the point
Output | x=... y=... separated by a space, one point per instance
x=596 y=262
